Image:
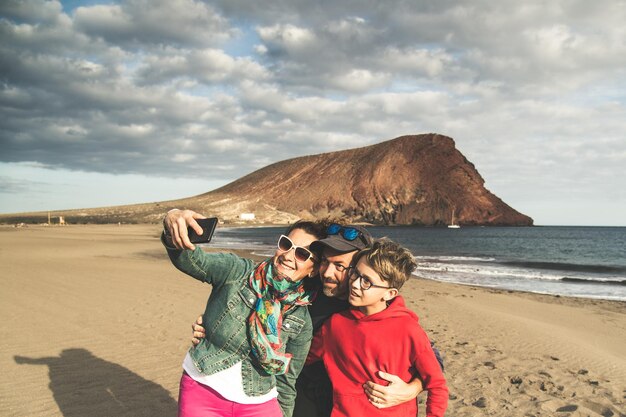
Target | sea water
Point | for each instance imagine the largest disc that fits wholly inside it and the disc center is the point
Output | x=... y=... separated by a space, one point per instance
x=570 y=261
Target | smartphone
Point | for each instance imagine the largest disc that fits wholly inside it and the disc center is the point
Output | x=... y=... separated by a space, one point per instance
x=208 y=227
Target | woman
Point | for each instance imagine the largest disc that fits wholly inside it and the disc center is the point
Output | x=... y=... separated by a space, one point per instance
x=258 y=330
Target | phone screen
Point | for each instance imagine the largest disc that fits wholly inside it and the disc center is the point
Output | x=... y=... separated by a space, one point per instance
x=208 y=227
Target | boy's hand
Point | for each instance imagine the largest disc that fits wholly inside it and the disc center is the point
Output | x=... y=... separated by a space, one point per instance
x=198 y=332
x=395 y=393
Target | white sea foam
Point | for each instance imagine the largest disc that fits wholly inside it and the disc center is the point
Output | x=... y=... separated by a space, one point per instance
x=495 y=275
x=442 y=265
x=452 y=259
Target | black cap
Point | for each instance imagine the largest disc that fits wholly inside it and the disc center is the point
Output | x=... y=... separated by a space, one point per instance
x=342 y=245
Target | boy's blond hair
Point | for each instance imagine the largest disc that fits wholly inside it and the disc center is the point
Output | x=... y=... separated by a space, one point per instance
x=391 y=261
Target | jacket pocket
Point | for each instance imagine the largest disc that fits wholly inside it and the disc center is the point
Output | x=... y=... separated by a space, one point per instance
x=292 y=325
x=248 y=296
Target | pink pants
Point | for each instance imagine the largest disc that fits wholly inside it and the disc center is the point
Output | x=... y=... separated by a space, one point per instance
x=197 y=400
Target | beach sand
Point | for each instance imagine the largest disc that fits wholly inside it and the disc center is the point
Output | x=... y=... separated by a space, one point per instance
x=94 y=321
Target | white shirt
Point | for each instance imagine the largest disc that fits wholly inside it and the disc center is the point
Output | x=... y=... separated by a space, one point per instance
x=228 y=383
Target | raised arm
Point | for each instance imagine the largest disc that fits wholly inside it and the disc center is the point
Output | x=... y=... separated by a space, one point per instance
x=212 y=268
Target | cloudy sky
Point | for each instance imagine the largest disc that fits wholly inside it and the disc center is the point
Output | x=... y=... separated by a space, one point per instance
x=115 y=102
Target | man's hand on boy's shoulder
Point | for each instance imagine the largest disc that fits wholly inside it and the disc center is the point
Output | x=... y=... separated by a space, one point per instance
x=395 y=393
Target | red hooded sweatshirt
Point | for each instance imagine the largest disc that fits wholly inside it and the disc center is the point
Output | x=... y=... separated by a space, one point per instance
x=354 y=347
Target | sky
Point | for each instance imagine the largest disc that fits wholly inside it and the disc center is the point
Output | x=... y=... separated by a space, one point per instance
x=117 y=102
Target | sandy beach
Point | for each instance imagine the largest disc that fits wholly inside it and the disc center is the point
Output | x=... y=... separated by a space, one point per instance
x=95 y=322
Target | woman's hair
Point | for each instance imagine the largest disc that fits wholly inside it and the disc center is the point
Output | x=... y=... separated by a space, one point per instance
x=316 y=228
x=391 y=261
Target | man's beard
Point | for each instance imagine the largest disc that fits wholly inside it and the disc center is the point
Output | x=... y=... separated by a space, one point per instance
x=329 y=292
x=337 y=292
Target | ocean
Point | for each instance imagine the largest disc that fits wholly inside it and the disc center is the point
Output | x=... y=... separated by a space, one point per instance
x=585 y=262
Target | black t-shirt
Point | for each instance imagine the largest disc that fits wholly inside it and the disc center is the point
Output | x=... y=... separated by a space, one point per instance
x=323 y=307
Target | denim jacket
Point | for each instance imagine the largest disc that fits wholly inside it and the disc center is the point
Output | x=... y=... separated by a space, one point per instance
x=225 y=320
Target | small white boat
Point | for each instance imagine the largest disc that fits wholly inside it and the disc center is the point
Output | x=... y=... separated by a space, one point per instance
x=453 y=225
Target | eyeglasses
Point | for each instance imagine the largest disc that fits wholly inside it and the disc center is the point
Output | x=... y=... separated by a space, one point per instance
x=301 y=254
x=338 y=267
x=348 y=233
x=364 y=281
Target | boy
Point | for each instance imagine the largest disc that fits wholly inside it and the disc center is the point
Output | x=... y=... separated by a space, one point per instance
x=378 y=333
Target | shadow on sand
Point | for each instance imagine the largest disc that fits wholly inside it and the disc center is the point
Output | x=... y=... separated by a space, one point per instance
x=85 y=385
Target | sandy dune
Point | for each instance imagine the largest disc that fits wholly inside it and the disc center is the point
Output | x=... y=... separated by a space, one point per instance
x=95 y=322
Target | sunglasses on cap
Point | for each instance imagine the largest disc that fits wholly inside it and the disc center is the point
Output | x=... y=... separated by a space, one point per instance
x=348 y=233
x=301 y=254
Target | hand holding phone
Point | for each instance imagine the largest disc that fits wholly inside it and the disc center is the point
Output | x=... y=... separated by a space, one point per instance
x=208 y=227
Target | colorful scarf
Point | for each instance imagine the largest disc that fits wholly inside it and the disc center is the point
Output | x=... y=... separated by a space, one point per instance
x=275 y=295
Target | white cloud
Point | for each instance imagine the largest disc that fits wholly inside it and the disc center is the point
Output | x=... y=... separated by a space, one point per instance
x=31 y=10
x=289 y=37
x=154 y=22
x=183 y=157
x=359 y=80
x=418 y=62
x=206 y=66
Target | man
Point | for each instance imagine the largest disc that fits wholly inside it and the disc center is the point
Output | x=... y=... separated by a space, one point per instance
x=314 y=389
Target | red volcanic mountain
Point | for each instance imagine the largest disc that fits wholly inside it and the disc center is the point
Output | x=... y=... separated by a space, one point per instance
x=421 y=180
x=408 y=180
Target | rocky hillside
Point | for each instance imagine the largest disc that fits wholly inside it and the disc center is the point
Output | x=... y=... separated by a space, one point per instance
x=421 y=180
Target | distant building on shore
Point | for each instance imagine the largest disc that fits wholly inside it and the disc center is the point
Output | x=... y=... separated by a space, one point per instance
x=247 y=216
